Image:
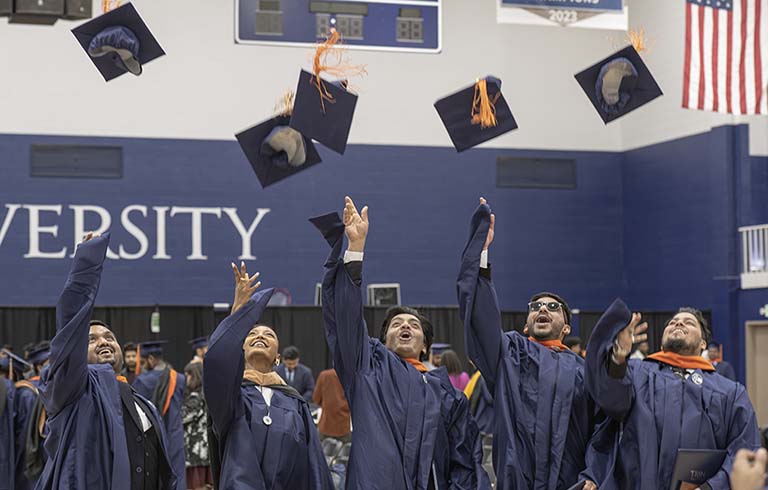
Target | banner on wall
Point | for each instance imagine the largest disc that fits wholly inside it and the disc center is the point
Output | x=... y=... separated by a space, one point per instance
x=589 y=14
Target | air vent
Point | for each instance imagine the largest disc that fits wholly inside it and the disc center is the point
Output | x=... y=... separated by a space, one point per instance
x=536 y=173
x=73 y=161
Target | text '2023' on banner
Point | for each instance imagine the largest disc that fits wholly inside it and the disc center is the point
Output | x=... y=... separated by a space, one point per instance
x=594 y=5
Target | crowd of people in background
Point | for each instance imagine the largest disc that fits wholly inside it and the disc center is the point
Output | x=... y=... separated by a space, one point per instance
x=397 y=407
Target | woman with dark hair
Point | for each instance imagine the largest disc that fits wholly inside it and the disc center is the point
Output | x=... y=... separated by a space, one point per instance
x=265 y=434
x=412 y=429
x=194 y=417
x=459 y=377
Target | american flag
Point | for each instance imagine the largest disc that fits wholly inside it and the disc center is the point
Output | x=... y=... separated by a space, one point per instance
x=726 y=56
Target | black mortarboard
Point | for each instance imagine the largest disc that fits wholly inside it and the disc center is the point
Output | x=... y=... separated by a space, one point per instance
x=118 y=42
x=439 y=348
x=460 y=113
x=198 y=343
x=19 y=364
x=154 y=347
x=323 y=114
x=276 y=150
x=619 y=84
x=38 y=354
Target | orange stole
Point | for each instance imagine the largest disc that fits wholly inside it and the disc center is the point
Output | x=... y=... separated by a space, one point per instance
x=417 y=364
x=684 y=362
x=550 y=344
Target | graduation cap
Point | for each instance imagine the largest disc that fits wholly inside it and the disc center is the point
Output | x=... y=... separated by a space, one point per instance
x=198 y=343
x=476 y=114
x=11 y=362
x=118 y=42
x=439 y=348
x=619 y=84
x=154 y=347
x=323 y=110
x=40 y=353
x=276 y=151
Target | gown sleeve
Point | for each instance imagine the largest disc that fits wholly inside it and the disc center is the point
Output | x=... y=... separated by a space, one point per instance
x=65 y=379
x=224 y=362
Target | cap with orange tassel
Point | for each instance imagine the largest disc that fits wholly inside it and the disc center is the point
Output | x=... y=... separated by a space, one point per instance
x=622 y=82
x=323 y=109
x=476 y=114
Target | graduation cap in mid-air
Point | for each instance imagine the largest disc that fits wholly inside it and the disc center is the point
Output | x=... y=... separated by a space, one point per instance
x=620 y=83
x=476 y=114
x=118 y=42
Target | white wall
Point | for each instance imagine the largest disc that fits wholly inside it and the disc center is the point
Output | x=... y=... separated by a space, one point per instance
x=208 y=87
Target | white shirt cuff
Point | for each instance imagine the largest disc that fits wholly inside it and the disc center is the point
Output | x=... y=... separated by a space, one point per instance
x=484 y=259
x=350 y=256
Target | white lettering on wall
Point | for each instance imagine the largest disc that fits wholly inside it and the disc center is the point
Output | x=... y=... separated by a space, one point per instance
x=35 y=230
x=12 y=208
x=135 y=231
x=245 y=235
x=161 y=211
x=197 y=227
x=105 y=221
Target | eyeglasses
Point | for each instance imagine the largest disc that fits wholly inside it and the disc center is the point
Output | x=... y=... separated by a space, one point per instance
x=551 y=305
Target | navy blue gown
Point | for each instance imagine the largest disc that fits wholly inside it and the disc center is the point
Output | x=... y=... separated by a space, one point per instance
x=661 y=413
x=544 y=417
x=410 y=430
x=285 y=455
x=7 y=442
x=26 y=398
x=145 y=385
x=86 y=442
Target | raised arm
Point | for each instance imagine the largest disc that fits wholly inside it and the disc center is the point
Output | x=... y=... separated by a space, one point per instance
x=742 y=434
x=478 y=305
x=225 y=361
x=607 y=372
x=66 y=377
x=345 y=329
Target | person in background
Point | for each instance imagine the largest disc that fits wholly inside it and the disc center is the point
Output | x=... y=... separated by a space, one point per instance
x=30 y=421
x=436 y=355
x=574 y=343
x=200 y=347
x=194 y=417
x=335 y=420
x=723 y=368
x=459 y=377
x=641 y=351
x=480 y=402
x=12 y=366
x=165 y=387
x=130 y=359
x=748 y=472
x=294 y=373
x=7 y=442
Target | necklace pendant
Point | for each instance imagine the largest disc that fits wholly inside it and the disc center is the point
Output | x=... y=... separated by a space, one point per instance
x=267 y=420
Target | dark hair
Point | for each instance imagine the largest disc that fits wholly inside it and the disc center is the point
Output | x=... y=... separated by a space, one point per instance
x=571 y=341
x=194 y=373
x=99 y=322
x=706 y=333
x=546 y=294
x=291 y=352
x=129 y=346
x=426 y=325
x=450 y=360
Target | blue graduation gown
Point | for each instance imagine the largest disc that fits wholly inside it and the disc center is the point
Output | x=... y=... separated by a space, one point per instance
x=285 y=455
x=409 y=427
x=661 y=413
x=544 y=416
x=24 y=404
x=7 y=442
x=86 y=443
x=724 y=368
x=483 y=411
x=145 y=386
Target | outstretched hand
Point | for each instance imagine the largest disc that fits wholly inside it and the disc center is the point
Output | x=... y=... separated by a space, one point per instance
x=355 y=225
x=244 y=286
x=634 y=333
x=489 y=238
x=90 y=236
x=749 y=468
x=590 y=485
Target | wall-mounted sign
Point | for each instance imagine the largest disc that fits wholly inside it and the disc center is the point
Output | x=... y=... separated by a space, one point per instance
x=591 y=14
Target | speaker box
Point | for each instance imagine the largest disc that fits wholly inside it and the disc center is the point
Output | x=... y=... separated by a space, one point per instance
x=5 y=7
x=78 y=9
x=39 y=7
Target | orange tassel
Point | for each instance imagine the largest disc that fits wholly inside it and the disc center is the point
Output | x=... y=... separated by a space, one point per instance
x=107 y=5
x=284 y=106
x=329 y=58
x=638 y=39
x=483 y=108
x=137 y=369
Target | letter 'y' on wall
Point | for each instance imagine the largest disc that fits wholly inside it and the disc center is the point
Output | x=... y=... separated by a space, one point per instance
x=245 y=235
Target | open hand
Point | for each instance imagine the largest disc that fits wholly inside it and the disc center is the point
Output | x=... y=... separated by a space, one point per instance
x=244 y=286
x=355 y=225
x=634 y=333
x=489 y=238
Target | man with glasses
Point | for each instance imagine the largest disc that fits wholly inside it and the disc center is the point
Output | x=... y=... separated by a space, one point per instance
x=671 y=400
x=544 y=417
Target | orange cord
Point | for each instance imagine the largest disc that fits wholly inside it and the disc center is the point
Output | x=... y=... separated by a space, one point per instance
x=483 y=108
x=329 y=58
x=107 y=5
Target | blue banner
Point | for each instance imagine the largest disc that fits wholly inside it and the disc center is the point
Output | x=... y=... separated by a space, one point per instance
x=599 y=5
